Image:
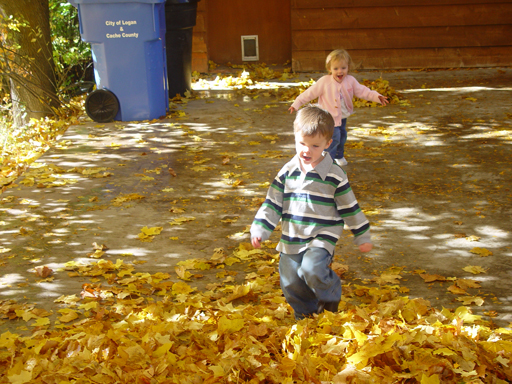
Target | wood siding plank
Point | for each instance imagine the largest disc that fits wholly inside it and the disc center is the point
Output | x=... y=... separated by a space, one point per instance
x=296 y=4
x=307 y=61
x=430 y=37
x=401 y=17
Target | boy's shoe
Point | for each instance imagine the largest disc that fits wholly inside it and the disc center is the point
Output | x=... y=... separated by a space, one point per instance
x=341 y=162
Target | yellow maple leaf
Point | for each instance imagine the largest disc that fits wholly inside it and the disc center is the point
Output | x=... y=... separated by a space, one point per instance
x=26 y=315
x=151 y=231
x=482 y=252
x=231 y=260
x=238 y=291
x=183 y=273
x=163 y=349
x=456 y=290
x=474 y=269
x=70 y=299
x=88 y=306
x=434 y=379
x=468 y=300
x=96 y=254
x=22 y=377
x=181 y=220
x=218 y=371
x=386 y=278
x=41 y=321
x=430 y=278
x=68 y=315
x=181 y=287
x=465 y=315
x=226 y=325
x=161 y=275
x=467 y=283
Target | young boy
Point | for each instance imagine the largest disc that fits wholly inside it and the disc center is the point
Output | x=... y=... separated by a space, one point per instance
x=313 y=199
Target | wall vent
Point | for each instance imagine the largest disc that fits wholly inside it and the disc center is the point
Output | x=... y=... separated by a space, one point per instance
x=250 y=50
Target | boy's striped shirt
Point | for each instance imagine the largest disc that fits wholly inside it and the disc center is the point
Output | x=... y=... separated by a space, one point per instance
x=312 y=207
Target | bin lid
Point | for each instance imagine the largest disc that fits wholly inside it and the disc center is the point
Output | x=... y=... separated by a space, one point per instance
x=74 y=2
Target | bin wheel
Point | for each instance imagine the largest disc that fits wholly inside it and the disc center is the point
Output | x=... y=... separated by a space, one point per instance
x=101 y=106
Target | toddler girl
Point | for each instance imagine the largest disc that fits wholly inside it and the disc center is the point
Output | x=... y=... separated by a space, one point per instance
x=335 y=92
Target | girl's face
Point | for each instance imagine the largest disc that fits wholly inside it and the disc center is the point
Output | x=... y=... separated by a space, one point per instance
x=310 y=148
x=339 y=69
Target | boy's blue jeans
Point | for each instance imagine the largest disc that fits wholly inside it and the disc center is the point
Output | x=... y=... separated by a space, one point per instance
x=308 y=283
x=339 y=138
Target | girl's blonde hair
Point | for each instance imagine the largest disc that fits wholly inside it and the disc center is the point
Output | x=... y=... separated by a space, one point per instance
x=338 y=55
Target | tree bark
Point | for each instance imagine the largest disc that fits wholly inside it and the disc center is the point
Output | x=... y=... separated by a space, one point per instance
x=30 y=68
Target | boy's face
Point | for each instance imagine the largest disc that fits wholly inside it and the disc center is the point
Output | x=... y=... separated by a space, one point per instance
x=310 y=148
x=339 y=69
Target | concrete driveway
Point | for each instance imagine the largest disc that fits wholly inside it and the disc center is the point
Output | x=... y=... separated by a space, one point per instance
x=433 y=176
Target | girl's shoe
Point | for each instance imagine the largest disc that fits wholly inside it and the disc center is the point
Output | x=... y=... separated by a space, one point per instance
x=341 y=162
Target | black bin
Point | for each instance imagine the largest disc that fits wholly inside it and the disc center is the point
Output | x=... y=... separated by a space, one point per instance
x=180 y=18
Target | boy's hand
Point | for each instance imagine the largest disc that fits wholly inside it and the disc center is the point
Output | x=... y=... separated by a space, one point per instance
x=383 y=100
x=366 y=247
x=291 y=109
x=256 y=242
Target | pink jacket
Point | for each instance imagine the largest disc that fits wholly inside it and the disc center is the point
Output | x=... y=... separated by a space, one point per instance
x=328 y=90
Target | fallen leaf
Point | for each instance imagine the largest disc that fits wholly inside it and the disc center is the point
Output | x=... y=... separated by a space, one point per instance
x=183 y=273
x=43 y=271
x=181 y=220
x=430 y=278
x=21 y=378
x=101 y=247
x=468 y=300
x=482 y=252
x=456 y=290
x=474 y=269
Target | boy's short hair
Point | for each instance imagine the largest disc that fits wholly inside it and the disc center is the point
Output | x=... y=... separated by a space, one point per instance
x=337 y=55
x=313 y=120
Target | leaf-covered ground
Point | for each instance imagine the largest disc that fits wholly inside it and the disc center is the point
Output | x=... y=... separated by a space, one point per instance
x=125 y=256
x=136 y=327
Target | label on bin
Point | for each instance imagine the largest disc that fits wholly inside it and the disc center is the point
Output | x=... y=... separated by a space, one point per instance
x=118 y=29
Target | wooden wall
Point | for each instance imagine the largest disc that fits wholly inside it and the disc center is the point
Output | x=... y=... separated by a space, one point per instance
x=386 y=34
x=228 y=20
x=199 y=49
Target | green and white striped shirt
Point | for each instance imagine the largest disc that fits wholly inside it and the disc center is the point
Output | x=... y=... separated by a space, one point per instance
x=312 y=207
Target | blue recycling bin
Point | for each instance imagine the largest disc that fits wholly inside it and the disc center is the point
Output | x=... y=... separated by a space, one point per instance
x=127 y=40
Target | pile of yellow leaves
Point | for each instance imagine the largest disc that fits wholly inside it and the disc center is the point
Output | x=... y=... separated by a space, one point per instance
x=382 y=86
x=21 y=146
x=144 y=328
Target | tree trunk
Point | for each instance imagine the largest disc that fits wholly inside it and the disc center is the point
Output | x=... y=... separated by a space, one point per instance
x=30 y=67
